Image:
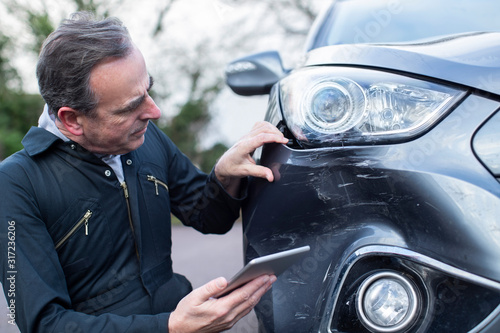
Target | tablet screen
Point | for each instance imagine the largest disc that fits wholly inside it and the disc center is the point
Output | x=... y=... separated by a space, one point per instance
x=275 y=263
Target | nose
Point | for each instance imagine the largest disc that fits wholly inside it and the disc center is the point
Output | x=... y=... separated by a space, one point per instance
x=151 y=110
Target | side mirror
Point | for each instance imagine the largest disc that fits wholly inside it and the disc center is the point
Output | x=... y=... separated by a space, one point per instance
x=255 y=74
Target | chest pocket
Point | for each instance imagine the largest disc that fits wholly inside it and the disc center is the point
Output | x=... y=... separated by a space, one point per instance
x=156 y=197
x=82 y=239
x=154 y=185
x=157 y=182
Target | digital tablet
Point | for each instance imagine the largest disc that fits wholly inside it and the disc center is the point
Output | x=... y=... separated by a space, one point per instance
x=275 y=263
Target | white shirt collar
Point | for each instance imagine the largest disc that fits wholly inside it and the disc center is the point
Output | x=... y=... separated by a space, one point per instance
x=47 y=121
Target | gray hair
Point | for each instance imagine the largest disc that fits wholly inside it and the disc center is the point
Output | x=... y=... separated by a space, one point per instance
x=70 y=53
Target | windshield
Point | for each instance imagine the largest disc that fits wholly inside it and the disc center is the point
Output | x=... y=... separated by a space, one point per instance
x=384 y=21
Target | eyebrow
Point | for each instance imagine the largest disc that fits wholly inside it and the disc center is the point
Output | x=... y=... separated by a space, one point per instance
x=151 y=82
x=137 y=102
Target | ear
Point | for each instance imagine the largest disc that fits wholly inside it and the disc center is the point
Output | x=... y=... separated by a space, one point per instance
x=71 y=120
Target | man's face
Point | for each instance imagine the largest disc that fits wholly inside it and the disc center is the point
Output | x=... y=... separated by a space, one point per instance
x=124 y=106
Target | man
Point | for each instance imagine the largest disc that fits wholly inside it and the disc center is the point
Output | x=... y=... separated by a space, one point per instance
x=85 y=207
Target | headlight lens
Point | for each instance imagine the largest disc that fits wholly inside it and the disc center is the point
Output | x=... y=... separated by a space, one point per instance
x=338 y=105
x=335 y=106
x=387 y=302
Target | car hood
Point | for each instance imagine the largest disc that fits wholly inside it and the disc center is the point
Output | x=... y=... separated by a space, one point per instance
x=468 y=59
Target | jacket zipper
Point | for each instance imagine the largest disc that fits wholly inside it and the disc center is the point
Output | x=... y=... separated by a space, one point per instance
x=126 y=194
x=84 y=220
x=157 y=181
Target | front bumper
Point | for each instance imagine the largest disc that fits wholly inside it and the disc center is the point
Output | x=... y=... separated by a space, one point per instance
x=427 y=206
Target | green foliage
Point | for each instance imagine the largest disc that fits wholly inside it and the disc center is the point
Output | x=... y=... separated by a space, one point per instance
x=209 y=157
x=8 y=75
x=186 y=124
x=184 y=130
x=41 y=27
x=194 y=115
x=88 y=5
x=18 y=112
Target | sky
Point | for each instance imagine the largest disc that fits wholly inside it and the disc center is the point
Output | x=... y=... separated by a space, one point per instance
x=191 y=22
x=188 y=23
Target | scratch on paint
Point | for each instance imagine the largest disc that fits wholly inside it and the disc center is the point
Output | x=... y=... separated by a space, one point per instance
x=297 y=282
x=301 y=315
x=371 y=176
x=428 y=204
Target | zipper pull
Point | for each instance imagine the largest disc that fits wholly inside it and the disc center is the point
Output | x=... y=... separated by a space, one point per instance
x=125 y=189
x=153 y=179
x=86 y=218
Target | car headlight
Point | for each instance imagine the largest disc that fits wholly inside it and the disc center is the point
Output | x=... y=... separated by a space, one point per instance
x=387 y=302
x=339 y=105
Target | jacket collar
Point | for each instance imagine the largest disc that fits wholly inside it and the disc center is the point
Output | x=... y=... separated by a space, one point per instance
x=38 y=140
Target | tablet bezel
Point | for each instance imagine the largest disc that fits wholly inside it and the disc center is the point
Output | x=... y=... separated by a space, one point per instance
x=272 y=264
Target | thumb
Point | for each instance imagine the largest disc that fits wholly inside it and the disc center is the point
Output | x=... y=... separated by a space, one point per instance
x=212 y=288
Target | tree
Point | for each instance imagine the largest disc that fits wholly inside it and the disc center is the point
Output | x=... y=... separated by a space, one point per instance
x=18 y=110
x=188 y=70
x=193 y=116
x=195 y=64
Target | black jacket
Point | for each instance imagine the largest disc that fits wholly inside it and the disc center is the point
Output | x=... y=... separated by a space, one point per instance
x=82 y=252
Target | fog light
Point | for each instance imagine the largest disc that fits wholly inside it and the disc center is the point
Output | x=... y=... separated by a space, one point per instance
x=387 y=302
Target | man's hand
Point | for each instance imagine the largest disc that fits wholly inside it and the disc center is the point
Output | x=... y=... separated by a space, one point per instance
x=200 y=312
x=237 y=162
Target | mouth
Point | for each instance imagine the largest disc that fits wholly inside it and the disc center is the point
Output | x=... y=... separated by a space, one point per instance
x=140 y=131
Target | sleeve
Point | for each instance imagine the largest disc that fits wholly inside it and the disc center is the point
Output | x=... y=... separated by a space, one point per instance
x=213 y=209
x=32 y=277
x=198 y=199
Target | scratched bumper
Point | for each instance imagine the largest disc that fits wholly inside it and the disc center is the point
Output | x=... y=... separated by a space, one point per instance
x=428 y=208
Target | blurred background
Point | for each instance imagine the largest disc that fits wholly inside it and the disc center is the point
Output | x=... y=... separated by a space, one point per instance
x=186 y=44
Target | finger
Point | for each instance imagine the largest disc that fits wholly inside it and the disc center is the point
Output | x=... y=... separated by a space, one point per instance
x=251 y=143
x=249 y=295
x=255 y=287
x=259 y=171
x=265 y=128
x=241 y=301
x=262 y=125
x=210 y=289
x=253 y=170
